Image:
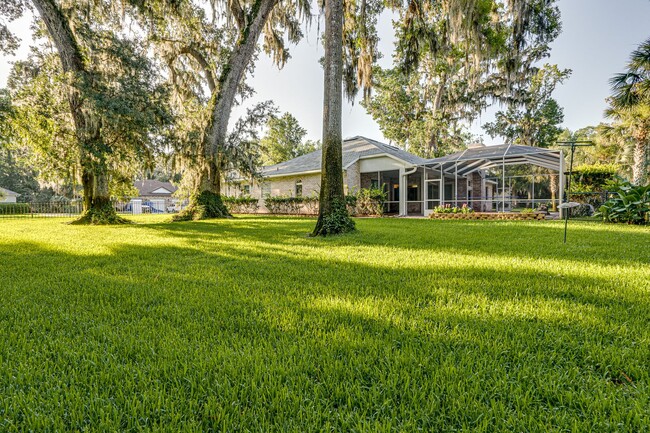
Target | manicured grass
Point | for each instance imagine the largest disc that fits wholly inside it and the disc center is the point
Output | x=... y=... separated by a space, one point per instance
x=247 y=325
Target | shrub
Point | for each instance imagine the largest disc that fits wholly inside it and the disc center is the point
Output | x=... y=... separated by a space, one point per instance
x=311 y=204
x=14 y=208
x=242 y=204
x=455 y=209
x=630 y=204
x=584 y=210
x=590 y=183
x=363 y=202
x=367 y=201
x=284 y=204
x=593 y=177
x=338 y=221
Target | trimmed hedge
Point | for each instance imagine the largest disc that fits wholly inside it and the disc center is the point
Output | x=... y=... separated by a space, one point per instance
x=14 y=208
x=243 y=204
x=288 y=205
x=364 y=202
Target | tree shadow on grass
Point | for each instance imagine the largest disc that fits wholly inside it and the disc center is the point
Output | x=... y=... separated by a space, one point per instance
x=591 y=243
x=257 y=336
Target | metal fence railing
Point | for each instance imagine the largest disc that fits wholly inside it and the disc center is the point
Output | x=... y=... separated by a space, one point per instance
x=74 y=209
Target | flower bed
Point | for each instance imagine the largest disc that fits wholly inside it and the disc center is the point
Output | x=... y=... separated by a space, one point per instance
x=488 y=216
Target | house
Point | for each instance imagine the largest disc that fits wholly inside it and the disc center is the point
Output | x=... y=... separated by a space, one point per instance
x=154 y=189
x=7 y=196
x=414 y=185
x=154 y=196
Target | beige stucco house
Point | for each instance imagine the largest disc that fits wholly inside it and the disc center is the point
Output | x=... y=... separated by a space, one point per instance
x=412 y=188
x=414 y=185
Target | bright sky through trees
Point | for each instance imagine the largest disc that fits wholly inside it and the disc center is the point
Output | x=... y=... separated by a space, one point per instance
x=597 y=37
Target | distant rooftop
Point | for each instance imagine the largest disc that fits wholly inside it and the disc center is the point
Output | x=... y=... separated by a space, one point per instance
x=8 y=192
x=154 y=187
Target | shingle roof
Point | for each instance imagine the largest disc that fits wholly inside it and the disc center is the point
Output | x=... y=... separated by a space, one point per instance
x=8 y=192
x=353 y=149
x=147 y=187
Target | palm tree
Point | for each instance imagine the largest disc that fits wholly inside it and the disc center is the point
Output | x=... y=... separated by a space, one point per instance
x=630 y=106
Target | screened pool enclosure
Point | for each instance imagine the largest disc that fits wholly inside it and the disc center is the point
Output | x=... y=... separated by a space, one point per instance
x=499 y=178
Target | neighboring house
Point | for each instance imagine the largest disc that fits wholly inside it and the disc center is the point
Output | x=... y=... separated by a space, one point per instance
x=154 y=189
x=414 y=185
x=7 y=196
x=155 y=196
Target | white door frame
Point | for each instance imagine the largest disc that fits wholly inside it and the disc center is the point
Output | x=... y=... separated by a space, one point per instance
x=427 y=211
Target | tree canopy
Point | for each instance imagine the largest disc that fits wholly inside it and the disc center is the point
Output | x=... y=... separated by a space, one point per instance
x=284 y=140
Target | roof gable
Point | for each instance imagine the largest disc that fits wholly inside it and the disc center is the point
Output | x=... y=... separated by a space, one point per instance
x=161 y=191
x=153 y=187
x=8 y=192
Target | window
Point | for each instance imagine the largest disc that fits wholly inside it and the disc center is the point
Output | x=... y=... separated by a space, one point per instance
x=299 y=188
x=246 y=189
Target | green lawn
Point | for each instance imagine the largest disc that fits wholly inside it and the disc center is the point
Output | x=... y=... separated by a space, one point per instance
x=247 y=325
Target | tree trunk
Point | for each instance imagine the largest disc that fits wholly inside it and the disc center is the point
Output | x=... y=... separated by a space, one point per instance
x=96 y=201
x=333 y=217
x=206 y=200
x=553 y=187
x=639 y=163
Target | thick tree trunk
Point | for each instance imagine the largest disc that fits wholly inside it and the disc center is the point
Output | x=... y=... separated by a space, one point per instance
x=97 y=205
x=206 y=200
x=333 y=217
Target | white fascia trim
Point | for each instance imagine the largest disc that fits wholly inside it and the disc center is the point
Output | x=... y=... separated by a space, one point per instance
x=298 y=173
x=380 y=155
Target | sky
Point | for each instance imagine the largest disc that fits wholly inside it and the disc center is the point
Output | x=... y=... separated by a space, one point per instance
x=597 y=39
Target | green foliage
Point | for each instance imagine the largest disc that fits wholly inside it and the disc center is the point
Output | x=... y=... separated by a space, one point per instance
x=284 y=140
x=536 y=119
x=630 y=204
x=367 y=201
x=464 y=209
x=285 y=204
x=203 y=205
x=362 y=203
x=102 y=213
x=243 y=324
x=593 y=180
x=241 y=204
x=122 y=98
x=630 y=108
x=456 y=58
x=14 y=208
x=401 y=107
x=337 y=221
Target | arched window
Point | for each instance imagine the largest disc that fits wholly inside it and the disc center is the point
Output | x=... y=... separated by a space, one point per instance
x=299 y=188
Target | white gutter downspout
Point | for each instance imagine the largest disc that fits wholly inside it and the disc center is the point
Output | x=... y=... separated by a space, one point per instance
x=402 y=192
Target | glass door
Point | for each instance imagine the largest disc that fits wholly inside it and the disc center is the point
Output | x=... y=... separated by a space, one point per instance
x=433 y=193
